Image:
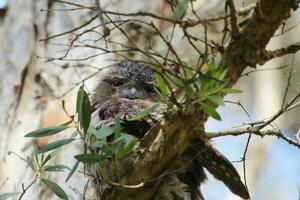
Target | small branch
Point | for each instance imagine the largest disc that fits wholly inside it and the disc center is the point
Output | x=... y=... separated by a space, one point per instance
x=25 y=189
x=70 y=31
x=262 y=133
x=242 y=131
x=187 y=23
x=265 y=55
x=266 y=69
x=256 y=127
x=244 y=159
x=140 y=185
x=233 y=19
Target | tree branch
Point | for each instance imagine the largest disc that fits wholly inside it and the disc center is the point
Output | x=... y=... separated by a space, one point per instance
x=268 y=55
x=242 y=52
x=233 y=19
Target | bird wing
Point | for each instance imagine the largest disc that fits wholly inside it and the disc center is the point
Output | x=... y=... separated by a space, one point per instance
x=219 y=166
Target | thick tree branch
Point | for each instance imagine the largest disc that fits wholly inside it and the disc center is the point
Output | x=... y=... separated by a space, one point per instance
x=267 y=17
x=166 y=141
x=156 y=154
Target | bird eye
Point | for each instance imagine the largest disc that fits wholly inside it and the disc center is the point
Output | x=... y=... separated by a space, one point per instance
x=117 y=82
x=150 y=88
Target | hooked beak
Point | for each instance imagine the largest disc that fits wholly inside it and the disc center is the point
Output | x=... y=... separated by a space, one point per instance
x=132 y=93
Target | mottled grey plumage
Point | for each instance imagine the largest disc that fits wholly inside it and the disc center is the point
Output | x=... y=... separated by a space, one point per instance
x=127 y=88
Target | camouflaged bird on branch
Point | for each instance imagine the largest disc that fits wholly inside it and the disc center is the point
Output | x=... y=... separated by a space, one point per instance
x=125 y=89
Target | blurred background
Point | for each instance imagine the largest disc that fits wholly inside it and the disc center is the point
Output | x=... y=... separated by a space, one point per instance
x=36 y=75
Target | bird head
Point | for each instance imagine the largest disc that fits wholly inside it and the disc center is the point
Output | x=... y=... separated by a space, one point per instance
x=129 y=80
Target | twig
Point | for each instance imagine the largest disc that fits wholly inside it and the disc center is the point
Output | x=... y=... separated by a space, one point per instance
x=70 y=31
x=233 y=19
x=25 y=189
x=265 y=55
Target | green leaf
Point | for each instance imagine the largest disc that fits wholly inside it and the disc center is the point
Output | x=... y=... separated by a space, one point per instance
x=90 y=158
x=92 y=130
x=117 y=128
x=189 y=91
x=216 y=99
x=209 y=88
x=190 y=73
x=231 y=91
x=123 y=151
x=72 y=171
x=162 y=84
x=56 y=168
x=83 y=108
x=187 y=88
x=106 y=150
x=98 y=144
x=79 y=99
x=56 y=189
x=178 y=82
x=7 y=195
x=211 y=64
x=104 y=132
x=47 y=131
x=223 y=74
x=49 y=156
x=55 y=144
x=30 y=162
x=180 y=9
x=127 y=147
x=143 y=113
x=210 y=111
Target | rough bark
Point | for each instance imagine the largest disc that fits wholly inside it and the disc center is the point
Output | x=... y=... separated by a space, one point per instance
x=19 y=70
x=244 y=50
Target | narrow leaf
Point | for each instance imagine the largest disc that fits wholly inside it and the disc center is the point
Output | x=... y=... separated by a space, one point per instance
x=189 y=91
x=211 y=64
x=162 y=84
x=104 y=132
x=30 y=162
x=83 y=108
x=72 y=171
x=231 y=91
x=98 y=144
x=46 y=131
x=210 y=111
x=56 y=189
x=187 y=88
x=178 y=82
x=55 y=144
x=49 y=156
x=125 y=149
x=7 y=195
x=180 y=9
x=90 y=158
x=92 y=130
x=56 y=168
x=143 y=113
x=79 y=98
x=117 y=128
x=216 y=99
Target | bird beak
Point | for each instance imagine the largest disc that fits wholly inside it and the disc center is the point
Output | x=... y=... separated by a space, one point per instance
x=132 y=93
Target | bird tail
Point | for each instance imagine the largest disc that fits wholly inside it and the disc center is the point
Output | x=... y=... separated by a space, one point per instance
x=220 y=167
